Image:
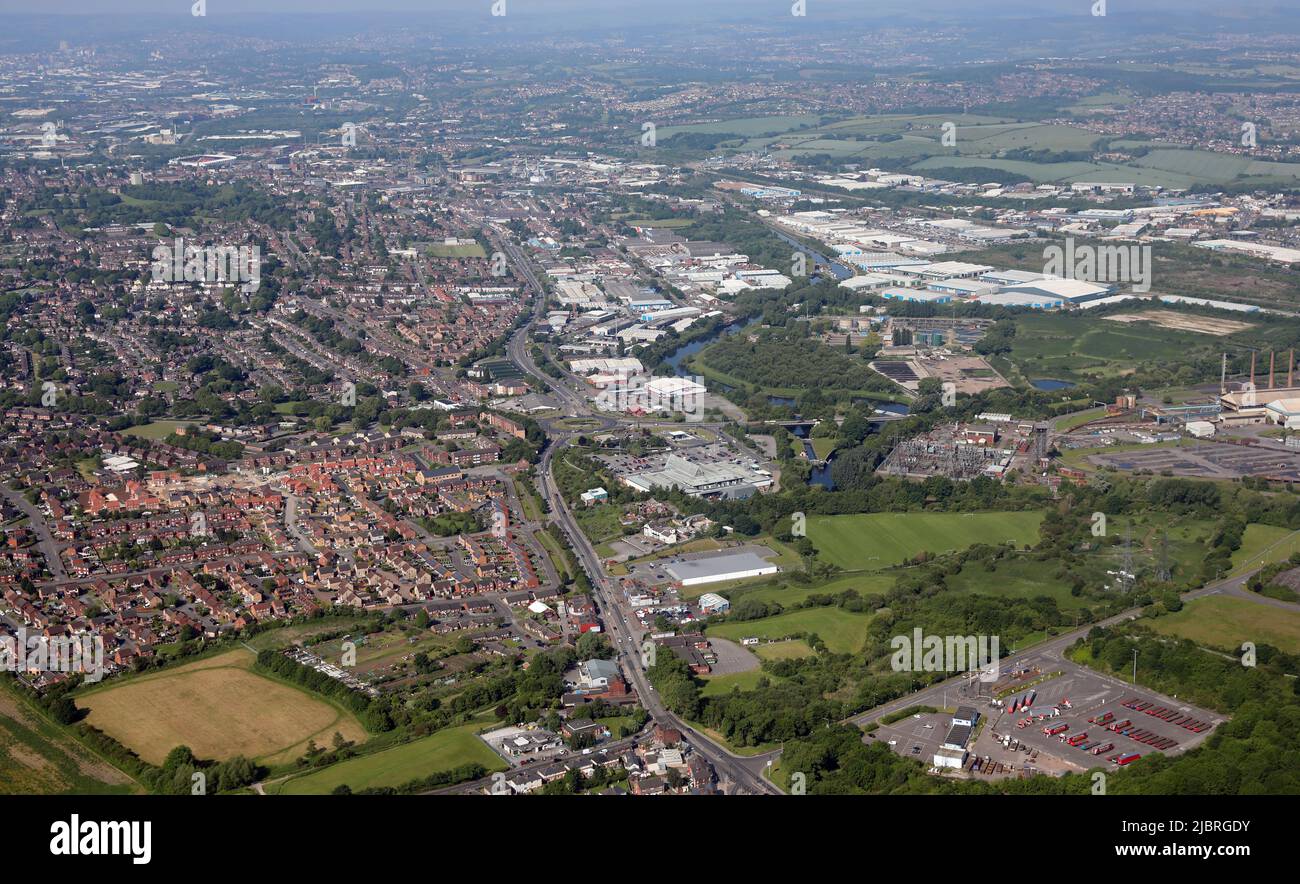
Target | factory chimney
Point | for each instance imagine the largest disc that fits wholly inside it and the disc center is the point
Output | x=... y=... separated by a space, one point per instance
x=1223 y=376
x=1271 y=385
x=1252 y=369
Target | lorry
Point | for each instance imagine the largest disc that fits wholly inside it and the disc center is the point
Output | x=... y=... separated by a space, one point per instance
x=1054 y=729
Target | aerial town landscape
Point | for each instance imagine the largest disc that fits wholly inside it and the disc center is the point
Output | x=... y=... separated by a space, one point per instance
x=548 y=401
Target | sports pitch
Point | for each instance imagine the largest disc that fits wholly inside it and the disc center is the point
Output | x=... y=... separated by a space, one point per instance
x=880 y=540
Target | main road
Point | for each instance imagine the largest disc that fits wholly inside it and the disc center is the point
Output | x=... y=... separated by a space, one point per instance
x=745 y=774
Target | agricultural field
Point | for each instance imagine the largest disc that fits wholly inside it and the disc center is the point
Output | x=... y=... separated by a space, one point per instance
x=880 y=540
x=844 y=632
x=444 y=750
x=220 y=708
x=982 y=142
x=746 y=126
x=1225 y=622
x=39 y=757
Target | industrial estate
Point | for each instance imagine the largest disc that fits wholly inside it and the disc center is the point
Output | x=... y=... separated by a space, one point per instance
x=533 y=404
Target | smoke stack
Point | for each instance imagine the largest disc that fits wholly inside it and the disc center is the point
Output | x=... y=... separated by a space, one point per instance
x=1223 y=376
x=1290 y=368
x=1252 y=368
x=1270 y=370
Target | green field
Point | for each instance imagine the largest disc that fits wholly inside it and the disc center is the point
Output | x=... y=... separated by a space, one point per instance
x=1225 y=622
x=1021 y=578
x=843 y=631
x=794 y=593
x=37 y=757
x=719 y=685
x=157 y=429
x=787 y=650
x=1264 y=544
x=445 y=750
x=982 y=142
x=879 y=540
x=1024 y=576
x=1069 y=347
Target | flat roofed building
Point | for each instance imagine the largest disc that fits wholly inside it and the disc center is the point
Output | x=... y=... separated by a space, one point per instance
x=695 y=479
x=916 y=295
x=1076 y=291
x=951 y=758
x=716 y=569
x=1020 y=299
x=947 y=270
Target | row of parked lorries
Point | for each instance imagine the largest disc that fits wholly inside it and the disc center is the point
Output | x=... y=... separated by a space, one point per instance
x=1164 y=713
x=1084 y=743
x=1126 y=728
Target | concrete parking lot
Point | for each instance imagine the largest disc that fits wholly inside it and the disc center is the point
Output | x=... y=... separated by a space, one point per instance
x=1091 y=694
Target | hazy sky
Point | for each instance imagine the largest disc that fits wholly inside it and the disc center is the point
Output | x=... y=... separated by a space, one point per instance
x=601 y=8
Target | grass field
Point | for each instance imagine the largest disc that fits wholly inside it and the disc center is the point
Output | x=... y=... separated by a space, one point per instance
x=301 y=633
x=442 y=751
x=843 y=631
x=157 y=429
x=793 y=593
x=219 y=708
x=1225 y=622
x=1026 y=577
x=1016 y=578
x=442 y=250
x=879 y=540
x=37 y=757
x=1068 y=347
x=1077 y=419
x=787 y=650
x=981 y=142
x=1264 y=544
x=719 y=685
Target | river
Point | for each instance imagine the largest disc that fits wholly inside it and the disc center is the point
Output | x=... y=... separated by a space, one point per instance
x=840 y=270
x=681 y=353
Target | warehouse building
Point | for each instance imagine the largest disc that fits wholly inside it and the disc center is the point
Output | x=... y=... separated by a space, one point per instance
x=920 y=296
x=963 y=288
x=1020 y=299
x=715 y=569
x=1075 y=291
x=696 y=479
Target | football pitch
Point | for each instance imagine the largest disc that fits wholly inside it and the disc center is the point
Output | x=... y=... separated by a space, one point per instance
x=880 y=540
